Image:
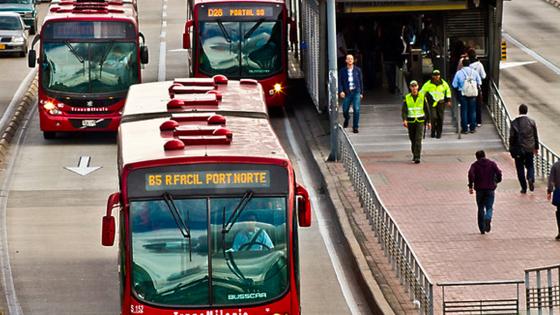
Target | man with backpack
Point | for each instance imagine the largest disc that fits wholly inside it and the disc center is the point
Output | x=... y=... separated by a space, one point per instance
x=467 y=81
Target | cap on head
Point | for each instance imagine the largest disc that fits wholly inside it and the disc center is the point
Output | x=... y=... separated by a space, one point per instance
x=413 y=83
x=436 y=72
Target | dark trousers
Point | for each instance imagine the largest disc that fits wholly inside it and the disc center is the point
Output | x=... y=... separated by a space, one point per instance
x=415 y=134
x=485 y=203
x=525 y=161
x=468 y=113
x=558 y=218
x=437 y=119
x=390 y=72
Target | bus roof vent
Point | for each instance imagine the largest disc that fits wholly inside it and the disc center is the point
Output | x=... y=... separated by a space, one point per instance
x=205 y=140
x=197 y=130
x=177 y=88
x=195 y=81
x=220 y=79
x=210 y=118
x=218 y=94
x=193 y=100
x=168 y=125
x=174 y=144
x=248 y=81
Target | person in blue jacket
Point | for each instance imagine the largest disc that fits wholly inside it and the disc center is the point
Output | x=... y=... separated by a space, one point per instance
x=350 y=90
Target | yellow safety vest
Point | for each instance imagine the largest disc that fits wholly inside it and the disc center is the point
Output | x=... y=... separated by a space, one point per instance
x=438 y=92
x=415 y=108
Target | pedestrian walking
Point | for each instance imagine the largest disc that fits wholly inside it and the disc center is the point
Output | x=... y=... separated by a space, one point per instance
x=484 y=175
x=553 y=192
x=350 y=89
x=439 y=95
x=467 y=81
x=523 y=145
x=477 y=66
x=415 y=114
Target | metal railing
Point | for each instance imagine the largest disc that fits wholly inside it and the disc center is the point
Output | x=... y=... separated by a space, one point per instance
x=502 y=119
x=411 y=274
x=543 y=296
x=501 y=306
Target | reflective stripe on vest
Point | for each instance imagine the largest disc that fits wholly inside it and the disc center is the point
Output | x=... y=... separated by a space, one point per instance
x=415 y=108
x=436 y=91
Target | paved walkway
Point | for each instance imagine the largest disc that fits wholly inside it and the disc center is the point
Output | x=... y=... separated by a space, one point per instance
x=432 y=206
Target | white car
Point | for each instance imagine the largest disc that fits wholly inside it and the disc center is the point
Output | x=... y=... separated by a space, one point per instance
x=13 y=34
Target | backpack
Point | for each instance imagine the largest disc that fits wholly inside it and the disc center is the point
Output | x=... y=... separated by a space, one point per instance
x=470 y=88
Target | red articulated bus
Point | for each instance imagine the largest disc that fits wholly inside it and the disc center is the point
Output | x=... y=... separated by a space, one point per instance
x=241 y=39
x=208 y=205
x=90 y=54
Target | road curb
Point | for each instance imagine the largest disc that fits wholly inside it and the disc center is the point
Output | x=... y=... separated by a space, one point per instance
x=332 y=185
x=15 y=113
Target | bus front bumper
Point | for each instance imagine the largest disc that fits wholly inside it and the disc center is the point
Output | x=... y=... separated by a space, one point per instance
x=78 y=123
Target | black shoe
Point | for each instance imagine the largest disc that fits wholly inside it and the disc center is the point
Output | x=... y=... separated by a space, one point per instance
x=432 y=136
x=355 y=130
x=345 y=124
x=438 y=137
x=416 y=161
x=464 y=132
x=531 y=186
x=487 y=225
x=557 y=237
x=482 y=232
x=523 y=191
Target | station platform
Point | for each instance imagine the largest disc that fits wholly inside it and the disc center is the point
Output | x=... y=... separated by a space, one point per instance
x=434 y=210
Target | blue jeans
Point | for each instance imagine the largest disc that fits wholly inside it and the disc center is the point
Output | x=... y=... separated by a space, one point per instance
x=468 y=112
x=354 y=98
x=485 y=202
x=525 y=161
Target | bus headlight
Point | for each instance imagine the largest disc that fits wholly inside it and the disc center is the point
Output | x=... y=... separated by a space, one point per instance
x=277 y=88
x=51 y=108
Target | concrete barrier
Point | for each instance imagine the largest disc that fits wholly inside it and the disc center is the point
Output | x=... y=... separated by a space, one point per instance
x=24 y=99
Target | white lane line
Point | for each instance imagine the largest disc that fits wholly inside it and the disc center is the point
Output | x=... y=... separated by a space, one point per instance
x=162 y=44
x=513 y=64
x=321 y=221
x=14 y=308
x=533 y=54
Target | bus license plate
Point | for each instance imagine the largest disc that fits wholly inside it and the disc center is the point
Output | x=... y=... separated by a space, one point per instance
x=2 y=46
x=89 y=123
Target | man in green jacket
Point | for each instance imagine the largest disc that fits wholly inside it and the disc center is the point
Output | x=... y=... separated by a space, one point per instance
x=439 y=95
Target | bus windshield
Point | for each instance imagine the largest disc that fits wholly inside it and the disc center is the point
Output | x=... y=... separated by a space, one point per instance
x=89 y=67
x=235 y=49
x=234 y=253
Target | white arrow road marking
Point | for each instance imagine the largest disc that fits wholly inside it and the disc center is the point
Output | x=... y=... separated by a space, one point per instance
x=513 y=64
x=83 y=166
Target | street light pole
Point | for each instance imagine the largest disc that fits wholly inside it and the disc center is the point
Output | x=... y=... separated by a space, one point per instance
x=333 y=78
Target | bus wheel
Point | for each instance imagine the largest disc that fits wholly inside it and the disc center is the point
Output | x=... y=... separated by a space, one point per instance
x=49 y=135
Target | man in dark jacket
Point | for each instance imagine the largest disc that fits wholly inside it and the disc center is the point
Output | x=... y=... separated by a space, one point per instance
x=351 y=90
x=484 y=175
x=523 y=145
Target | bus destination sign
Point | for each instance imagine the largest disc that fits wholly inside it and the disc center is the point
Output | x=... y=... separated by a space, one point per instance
x=240 y=12
x=207 y=179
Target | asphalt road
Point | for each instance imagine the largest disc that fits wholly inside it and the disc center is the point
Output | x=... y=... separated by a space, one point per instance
x=53 y=216
x=525 y=76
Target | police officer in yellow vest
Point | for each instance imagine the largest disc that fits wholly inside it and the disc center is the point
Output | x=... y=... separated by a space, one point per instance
x=438 y=93
x=415 y=114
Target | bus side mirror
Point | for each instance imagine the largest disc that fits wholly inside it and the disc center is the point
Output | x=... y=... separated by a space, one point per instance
x=187 y=35
x=32 y=58
x=303 y=206
x=108 y=223
x=144 y=55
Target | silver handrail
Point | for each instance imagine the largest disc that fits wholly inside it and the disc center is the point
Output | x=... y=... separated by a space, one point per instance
x=396 y=247
x=545 y=292
x=502 y=119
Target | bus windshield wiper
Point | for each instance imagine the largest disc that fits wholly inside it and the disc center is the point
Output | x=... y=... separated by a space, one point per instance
x=104 y=57
x=183 y=286
x=74 y=52
x=224 y=31
x=226 y=226
x=253 y=29
x=183 y=228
